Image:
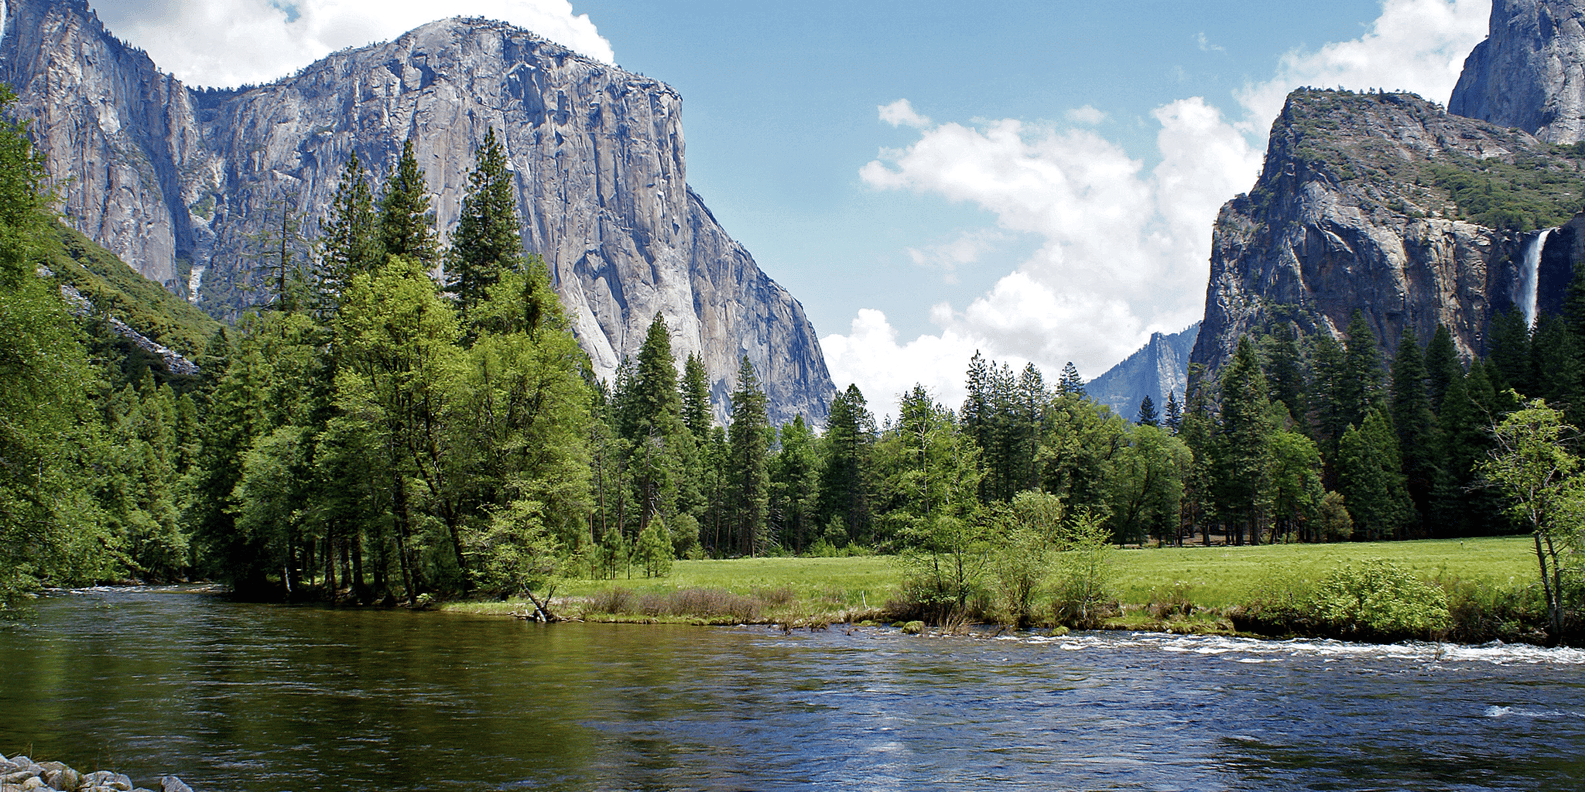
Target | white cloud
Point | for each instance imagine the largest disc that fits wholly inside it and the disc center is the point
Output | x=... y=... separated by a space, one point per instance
x=230 y=42
x=884 y=369
x=1206 y=45
x=1415 y=45
x=901 y=113
x=1086 y=115
x=1124 y=251
x=966 y=248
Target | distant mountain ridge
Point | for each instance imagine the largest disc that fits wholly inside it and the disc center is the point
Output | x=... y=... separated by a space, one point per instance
x=177 y=181
x=1160 y=367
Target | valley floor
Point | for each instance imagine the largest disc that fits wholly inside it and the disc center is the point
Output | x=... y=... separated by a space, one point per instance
x=1151 y=586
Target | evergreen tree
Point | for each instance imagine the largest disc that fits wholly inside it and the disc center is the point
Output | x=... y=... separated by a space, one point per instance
x=696 y=411
x=1147 y=413
x=844 y=496
x=1416 y=430
x=1359 y=387
x=1030 y=413
x=1286 y=374
x=1174 y=415
x=1240 y=451
x=1328 y=375
x=750 y=446
x=1508 y=353
x=406 y=224
x=1070 y=382
x=351 y=241
x=1442 y=365
x=1555 y=366
x=795 y=481
x=1369 y=474
x=487 y=241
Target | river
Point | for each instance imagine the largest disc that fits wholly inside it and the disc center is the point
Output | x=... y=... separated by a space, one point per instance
x=263 y=698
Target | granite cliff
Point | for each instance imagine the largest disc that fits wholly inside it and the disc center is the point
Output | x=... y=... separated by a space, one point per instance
x=1160 y=367
x=1386 y=204
x=176 y=180
x=1530 y=71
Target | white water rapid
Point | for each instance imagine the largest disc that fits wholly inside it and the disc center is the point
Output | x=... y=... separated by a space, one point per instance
x=1530 y=276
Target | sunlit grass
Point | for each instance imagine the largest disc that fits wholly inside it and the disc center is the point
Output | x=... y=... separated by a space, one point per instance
x=1211 y=577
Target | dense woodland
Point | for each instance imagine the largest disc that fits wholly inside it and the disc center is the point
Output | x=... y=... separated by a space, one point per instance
x=372 y=433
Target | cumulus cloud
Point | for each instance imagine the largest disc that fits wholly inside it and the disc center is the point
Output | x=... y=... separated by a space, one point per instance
x=1086 y=115
x=230 y=42
x=1415 y=45
x=1124 y=251
x=934 y=361
x=901 y=113
x=1206 y=45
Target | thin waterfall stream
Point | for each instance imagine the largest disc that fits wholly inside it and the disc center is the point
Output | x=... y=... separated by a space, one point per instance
x=1530 y=275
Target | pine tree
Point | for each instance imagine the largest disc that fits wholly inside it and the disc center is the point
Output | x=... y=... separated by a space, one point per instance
x=1240 y=451
x=654 y=403
x=1442 y=365
x=1415 y=426
x=795 y=479
x=844 y=497
x=1555 y=370
x=1508 y=353
x=1174 y=415
x=1147 y=413
x=1071 y=384
x=351 y=241
x=1359 y=387
x=1029 y=424
x=696 y=411
x=750 y=446
x=487 y=241
x=1327 y=383
x=1371 y=480
x=1286 y=375
x=406 y=224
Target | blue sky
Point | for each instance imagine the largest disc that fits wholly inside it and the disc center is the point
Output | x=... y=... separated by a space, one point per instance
x=1035 y=180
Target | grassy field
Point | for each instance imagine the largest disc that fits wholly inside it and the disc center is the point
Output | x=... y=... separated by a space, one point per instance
x=1210 y=577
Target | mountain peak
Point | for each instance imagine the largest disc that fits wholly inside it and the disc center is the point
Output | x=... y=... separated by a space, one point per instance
x=176 y=181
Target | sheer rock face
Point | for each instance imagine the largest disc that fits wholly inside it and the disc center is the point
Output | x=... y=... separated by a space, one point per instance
x=177 y=181
x=1351 y=212
x=1530 y=71
x=1160 y=367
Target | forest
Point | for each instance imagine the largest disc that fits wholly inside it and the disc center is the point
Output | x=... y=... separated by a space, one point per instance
x=371 y=433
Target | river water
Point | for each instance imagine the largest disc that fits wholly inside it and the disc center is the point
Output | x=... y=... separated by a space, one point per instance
x=256 y=697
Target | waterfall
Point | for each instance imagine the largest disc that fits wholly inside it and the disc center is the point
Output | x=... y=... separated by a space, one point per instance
x=1530 y=276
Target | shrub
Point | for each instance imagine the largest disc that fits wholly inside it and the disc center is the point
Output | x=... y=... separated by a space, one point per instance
x=1084 y=573
x=1381 y=600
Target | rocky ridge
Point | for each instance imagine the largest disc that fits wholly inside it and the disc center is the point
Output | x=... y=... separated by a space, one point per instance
x=1160 y=367
x=1530 y=71
x=1387 y=204
x=177 y=181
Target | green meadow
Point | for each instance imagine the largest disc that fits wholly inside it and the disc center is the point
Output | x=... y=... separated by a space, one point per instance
x=1210 y=578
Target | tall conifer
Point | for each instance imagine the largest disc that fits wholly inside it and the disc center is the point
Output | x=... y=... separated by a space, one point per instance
x=488 y=238
x=407 y=226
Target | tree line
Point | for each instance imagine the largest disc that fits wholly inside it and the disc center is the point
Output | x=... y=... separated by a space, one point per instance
x=376 y=433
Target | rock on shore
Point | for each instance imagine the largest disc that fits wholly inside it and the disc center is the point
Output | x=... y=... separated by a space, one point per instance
x=21 y=773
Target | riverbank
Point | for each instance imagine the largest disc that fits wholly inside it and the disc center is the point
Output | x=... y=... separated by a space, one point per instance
x=1486 y=585
x=20 y=773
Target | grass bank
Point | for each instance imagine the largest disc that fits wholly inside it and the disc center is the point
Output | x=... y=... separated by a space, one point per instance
x=1188 y=589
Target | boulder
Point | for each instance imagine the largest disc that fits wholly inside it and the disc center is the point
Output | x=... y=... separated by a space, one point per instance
x=173 y=784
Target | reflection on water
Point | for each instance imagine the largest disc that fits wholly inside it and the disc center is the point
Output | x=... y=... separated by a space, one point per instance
x=251 y=697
